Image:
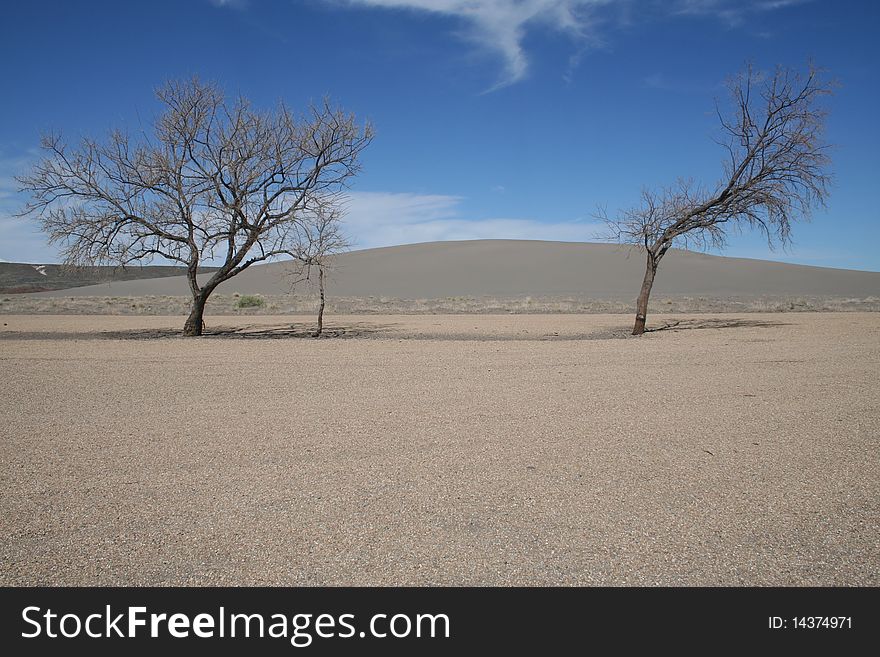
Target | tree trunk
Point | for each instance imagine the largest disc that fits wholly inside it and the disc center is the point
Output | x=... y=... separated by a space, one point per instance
x=195 y=322
x=644 y=294
x=321 y=306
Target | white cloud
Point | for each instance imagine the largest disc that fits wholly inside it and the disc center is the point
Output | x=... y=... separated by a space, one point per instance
x=20 y=239
x=733 y=12
x=372 y=219
x=233 y=4
x=384 y=219
x=656 y=81
x=500 y=26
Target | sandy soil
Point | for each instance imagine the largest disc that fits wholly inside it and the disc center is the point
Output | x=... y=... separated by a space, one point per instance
x=730 y=449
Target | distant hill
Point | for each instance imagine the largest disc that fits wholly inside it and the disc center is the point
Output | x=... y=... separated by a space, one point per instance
x=16 y=277
x=520 y=268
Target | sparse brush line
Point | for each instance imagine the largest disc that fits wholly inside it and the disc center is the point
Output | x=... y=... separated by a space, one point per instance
x=236 y=304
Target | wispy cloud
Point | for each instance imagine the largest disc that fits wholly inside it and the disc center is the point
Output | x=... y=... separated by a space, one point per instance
x=372 y=219
x=232 y=4
x=384 y=219
x=20 y=239
x=733 y=12
x=501 y=26
x=656 y=81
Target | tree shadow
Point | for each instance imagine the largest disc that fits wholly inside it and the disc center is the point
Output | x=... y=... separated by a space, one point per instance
x=715 y=323
x=306 y=330
x=286 y=331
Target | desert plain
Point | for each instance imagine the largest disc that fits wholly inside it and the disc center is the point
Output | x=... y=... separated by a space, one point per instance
x=721 y=449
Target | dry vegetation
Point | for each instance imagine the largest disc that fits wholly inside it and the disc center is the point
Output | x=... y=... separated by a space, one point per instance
x=232 y=304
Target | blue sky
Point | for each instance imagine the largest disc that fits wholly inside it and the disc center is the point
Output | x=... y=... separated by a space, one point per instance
x=494 y=118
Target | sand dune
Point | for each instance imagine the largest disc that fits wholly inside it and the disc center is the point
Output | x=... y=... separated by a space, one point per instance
x=527 y=268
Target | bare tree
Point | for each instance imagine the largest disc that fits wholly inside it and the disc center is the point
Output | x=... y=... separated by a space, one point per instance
x=217 y=183
x=775 y=172
x=321 y=239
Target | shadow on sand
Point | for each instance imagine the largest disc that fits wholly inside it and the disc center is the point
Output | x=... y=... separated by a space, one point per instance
x=250 y=332
x=288 y=331
x=715 y=323
x=259 y=332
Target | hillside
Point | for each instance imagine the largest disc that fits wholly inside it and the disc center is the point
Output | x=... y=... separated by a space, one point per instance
x=519 y=268
x=16 y=277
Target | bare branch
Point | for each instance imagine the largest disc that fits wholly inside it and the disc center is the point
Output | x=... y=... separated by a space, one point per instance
x=775 y=173
x=216 y=180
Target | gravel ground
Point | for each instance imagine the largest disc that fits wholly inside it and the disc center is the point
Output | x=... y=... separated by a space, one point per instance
x=484 y=450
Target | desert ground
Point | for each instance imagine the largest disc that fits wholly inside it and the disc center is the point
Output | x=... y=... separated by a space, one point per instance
x=723 y=449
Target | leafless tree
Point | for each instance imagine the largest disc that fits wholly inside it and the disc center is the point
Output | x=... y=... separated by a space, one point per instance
x=217 y=183
x=775 y=172
x=321 y=238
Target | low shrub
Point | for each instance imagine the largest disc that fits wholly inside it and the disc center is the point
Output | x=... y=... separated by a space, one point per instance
x=250 y=301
